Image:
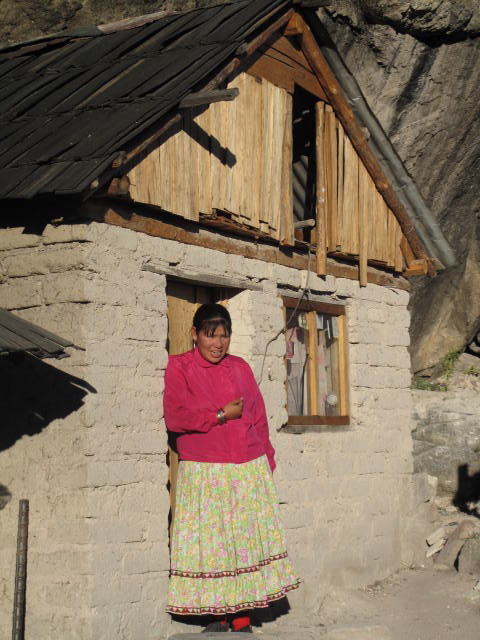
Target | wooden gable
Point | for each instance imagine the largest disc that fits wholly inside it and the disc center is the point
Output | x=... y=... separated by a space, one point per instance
x=233 y=161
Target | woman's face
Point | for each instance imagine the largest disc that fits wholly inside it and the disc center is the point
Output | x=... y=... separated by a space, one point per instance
x=212 y=347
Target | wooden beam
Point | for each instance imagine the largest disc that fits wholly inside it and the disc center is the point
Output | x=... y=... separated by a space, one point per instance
x=294 y=26
x=284 y=65
x=296 y=424
x=417 y=267
x=346 y=116
x=331 y=308
x=207 y=97
x=248 y=48
x=170 y=227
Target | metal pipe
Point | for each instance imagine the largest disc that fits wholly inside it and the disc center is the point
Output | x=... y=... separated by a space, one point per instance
x=18 y=630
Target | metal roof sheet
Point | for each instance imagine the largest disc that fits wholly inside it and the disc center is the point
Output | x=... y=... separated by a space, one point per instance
x=19 y=335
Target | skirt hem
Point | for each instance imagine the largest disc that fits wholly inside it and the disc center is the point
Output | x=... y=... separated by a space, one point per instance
x=234 y=608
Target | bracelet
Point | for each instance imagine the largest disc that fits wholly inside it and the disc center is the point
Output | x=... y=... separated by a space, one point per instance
x=221 y=416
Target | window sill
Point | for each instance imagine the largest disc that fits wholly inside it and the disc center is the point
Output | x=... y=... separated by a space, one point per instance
x=301 y=424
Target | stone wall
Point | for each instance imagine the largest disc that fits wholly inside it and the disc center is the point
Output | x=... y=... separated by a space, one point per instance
x=93 y=465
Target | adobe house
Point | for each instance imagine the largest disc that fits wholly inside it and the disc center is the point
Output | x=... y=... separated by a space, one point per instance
x=149 y=165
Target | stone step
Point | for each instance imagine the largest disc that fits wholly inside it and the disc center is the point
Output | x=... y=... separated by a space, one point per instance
x=204 y=636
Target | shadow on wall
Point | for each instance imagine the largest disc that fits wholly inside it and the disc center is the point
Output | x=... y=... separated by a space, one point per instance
x=5 y=496
x=34 y=394
x=467 y=497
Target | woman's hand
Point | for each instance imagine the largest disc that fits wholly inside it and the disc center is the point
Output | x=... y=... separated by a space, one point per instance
x=233 y=409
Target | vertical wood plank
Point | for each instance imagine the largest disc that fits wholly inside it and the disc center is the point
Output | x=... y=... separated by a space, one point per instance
x=286 y=230
x=384 y=232
x=312 y=363
x=203 y=174
x=279 y=103
x=398 y=251
x=363 y=226
x=219 y=145
x=340 y=185
x=186 y=166
x=343 y=365
x=249 y=160
x=165 y=173
x=321 y=189
x=257 y=135
x=267 y=155
x=331 y=173
x=350 y=198
x=392 y=237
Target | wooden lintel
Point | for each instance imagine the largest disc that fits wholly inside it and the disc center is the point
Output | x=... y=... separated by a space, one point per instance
x=174 y=228
x=346 y=116
x=207 y=97
x=417 y=267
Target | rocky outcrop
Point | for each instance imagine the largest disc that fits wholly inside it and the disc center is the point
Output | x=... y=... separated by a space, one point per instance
x=447 y=443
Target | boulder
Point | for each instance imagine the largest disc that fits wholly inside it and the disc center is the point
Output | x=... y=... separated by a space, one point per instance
x=469 y=558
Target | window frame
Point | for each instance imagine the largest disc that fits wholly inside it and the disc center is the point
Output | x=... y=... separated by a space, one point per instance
x=300 y=422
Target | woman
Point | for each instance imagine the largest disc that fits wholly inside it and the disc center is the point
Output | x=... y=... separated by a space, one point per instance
x=228 y=553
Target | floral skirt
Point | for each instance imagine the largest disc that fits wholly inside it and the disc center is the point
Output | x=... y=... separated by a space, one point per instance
x=228 y=549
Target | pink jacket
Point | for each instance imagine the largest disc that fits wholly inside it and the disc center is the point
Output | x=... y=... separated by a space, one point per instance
x=194 y=390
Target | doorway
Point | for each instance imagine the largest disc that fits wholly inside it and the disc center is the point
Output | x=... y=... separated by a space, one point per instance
x=183 y=299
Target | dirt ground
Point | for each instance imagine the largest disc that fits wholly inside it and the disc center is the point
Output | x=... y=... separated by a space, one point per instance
x=424 y=603
x=427 y=604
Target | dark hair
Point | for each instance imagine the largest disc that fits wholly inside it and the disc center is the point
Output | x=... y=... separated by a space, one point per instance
x=210 y=316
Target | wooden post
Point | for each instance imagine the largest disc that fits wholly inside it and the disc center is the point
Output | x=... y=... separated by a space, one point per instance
x=18 y=630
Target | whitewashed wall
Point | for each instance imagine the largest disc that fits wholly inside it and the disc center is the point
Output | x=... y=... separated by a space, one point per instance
x=96 y=478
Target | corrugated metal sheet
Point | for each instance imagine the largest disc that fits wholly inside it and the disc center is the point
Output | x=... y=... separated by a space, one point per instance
x=70 y=104
x=19 y=335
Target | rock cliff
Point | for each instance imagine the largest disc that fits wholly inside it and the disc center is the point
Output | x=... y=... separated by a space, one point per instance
x=418 y=65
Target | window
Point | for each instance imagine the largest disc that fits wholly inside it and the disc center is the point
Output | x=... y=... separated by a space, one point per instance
x=317 y=384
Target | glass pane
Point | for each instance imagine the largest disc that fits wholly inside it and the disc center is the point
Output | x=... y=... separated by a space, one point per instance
x=297 y=364
x=328 y=372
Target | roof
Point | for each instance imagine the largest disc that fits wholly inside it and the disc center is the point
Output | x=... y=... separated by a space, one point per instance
x=19 y=335
x=74 y=106
x=71 y=104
